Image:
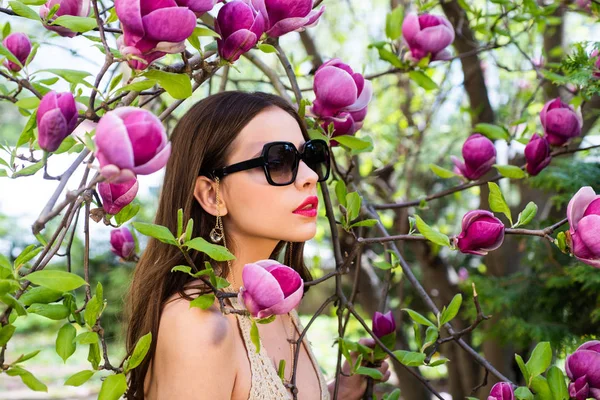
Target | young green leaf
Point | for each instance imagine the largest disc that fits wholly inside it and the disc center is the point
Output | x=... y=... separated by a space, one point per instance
x=158 y=232
x=522 y=367
x=214 y=251
x=510 y=171
x=410 y=358
x=56 y=280
x=492 y=132
x=113 y=387
x=65 y=347
x=204 y=302
x=139 y=352
x=527 y=215
x=254 y=336
x=449 y=314
x=79 y=378
x=178 y=86
x=431 y=234
x=418 y=318
x=540 y=359
x=556 y=381
x=523 y=393
x=497 y=201
x=442 y=172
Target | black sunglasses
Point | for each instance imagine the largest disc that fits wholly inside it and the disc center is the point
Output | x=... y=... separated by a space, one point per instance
x=280 y=162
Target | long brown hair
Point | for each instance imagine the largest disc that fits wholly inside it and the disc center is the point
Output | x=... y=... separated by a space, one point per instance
x=200 y=141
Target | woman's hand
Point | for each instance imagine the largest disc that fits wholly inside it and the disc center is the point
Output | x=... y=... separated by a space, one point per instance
x=353 y=387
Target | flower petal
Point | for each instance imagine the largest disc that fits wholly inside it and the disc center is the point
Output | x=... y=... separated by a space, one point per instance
x=578 y=204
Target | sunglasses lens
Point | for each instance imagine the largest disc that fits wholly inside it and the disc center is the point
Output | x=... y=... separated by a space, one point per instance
x=316 y=156
x=281 y=161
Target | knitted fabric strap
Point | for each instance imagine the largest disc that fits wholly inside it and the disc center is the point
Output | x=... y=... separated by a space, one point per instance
x=266 y=384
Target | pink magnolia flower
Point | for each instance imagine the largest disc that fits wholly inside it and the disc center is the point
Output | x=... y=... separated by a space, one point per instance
x=342 y=97
x=583 y=213
x=122 y=243
x=240 y=27
x=537 y=154
x=77 y=8
x=19 y=44
x=283 y=16
x=501 y=391
x=115 y=196
x=131 y=139
x=383 y=324
x=560 y=121
x=479 y=155
x=427 y=34
x=199 y=7
x=270 y=288
x=481 y=233
x=56 y=119
x=583 y=369
x=152 y=28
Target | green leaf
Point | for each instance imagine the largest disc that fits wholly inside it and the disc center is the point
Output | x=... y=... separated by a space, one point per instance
x=8 y=54
x=394 y=395
x=267 y=48
x=365 y=222
x=341 y=191
x=76 y=24
x=449 y=313
x=65 y=347
x=94 y=355
x=25 y=357
x=79 y=378
x=70 y=75
x=14 y=303
x=41 y=295
x=57 y=280
x=353 y=143
x=540 y=359
x=431 y=336
x=510 y=171
x=541 y=388
x=423 y=80
x=189 y=228
x=139 y=352
x=527 y=215
x=28 y=379
x=410 y=358
x=497 y=201
x=431 y=234
x=9 y=285
x=29 y=170
x=371 y=372
x=418 y=318
x=86 y=338
x=255 y=336
x=113 y=387
x=179 y=223
x=557 y=384
x=522 y=367
x=492 y=131
x=6 y=333
x=203 y=31
x=158 y=232
x=50 y=311
x=204 y=302
x=92 y=311
x=439 y=361
x=178 y=86
x=353 y=203
x=214 y=251
x=442 y=172
x=393 y=23
x=24 y=11
x=523 y=393
x=137 y=86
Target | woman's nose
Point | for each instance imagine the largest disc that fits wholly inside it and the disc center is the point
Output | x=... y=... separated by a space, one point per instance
x=306 y=176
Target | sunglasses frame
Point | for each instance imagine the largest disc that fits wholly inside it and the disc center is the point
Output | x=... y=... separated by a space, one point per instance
x=261 y=161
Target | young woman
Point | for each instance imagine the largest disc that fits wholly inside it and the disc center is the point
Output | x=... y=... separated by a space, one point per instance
x=205 y=354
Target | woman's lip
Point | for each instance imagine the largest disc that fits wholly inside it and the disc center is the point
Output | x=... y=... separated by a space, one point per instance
x=311 y=212
x=313 y=201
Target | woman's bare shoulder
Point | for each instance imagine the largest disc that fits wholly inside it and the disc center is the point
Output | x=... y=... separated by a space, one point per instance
x=192 y=339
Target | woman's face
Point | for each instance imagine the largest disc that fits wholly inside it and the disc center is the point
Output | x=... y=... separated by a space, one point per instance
x=254 y=207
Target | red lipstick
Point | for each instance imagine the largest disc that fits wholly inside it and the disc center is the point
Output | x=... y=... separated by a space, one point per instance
x=308 y=208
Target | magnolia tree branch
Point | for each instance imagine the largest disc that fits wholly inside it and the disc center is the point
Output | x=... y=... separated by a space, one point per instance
x=467 y=185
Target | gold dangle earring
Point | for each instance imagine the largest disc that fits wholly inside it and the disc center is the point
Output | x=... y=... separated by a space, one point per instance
x=216 y=234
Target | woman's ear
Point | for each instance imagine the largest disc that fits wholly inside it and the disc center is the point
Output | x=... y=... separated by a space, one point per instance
x=206 y=194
